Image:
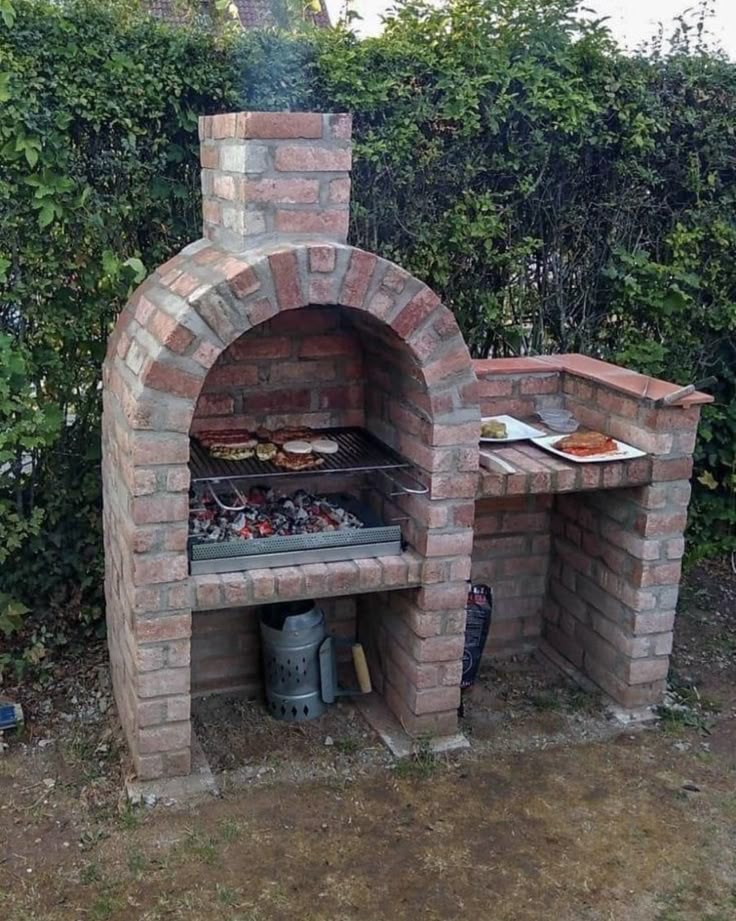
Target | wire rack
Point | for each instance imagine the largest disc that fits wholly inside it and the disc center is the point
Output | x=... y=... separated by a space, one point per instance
x=359 y=452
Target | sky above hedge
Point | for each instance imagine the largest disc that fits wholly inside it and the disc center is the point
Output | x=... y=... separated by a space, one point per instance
x=632 y=21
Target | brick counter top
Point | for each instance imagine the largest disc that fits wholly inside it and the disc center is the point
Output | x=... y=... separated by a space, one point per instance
x=538 y=472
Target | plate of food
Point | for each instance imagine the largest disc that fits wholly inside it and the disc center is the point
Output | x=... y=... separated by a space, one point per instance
x=505 y=428
x=588 y=447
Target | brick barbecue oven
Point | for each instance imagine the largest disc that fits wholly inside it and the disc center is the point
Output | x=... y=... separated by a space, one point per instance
x=272 y=320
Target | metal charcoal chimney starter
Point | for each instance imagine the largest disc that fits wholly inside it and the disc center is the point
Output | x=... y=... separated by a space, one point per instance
x=291 y=637
x=271 y=320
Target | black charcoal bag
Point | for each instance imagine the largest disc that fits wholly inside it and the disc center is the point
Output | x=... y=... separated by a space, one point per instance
x=478 y=610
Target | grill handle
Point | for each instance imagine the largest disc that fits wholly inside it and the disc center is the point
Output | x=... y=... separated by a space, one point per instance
x=416 y=487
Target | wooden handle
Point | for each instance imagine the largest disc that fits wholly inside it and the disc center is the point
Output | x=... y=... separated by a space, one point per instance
x=361 y=669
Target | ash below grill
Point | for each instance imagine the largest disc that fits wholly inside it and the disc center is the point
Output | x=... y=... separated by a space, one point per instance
x=373 y=539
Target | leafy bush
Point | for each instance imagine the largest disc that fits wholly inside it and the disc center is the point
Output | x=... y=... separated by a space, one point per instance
x=557 y=193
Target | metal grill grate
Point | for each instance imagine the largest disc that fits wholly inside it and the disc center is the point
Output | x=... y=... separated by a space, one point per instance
x=359 y=452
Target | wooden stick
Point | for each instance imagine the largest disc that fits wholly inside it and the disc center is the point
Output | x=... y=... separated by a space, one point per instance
x=361 y=669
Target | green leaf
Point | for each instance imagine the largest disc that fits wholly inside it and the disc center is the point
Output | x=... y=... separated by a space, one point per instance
x=138 y=268
x=46 y=215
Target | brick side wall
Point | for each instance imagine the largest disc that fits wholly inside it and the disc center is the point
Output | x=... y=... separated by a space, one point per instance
x=300 y=368
x=520 y=394
x=511 y=554
x=226 y=646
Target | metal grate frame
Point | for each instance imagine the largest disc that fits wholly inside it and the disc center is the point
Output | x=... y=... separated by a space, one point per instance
x=359 y=452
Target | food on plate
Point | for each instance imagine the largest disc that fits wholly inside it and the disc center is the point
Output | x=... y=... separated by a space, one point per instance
x=325 y=445
x=297 y=462
x=586 y=444
x=263 y=434
x=491 y=429
x=298 y=447
x=266 y=451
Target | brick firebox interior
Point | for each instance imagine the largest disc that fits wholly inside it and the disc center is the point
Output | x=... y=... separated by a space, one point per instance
x=272 y=319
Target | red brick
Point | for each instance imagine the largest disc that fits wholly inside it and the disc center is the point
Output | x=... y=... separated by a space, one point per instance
x=185 y=284
x=458 y=486
x=169 y=379
x=437 y=699
x=380 y=305
x=224 y=186
x=210 y=404
x=309 y=158
x=236 y=375
x=244 y=283
x=261 y=311
x=496 y=387
x=152 y=569
x=154 y=509
x=339 y=191
x=282 y=191
x=454 y=544
x=643 y=671
x=279 y=125
x=170 y=333
x=211 y=211
x=540 y=384
x=656 y=524
x=344 y=397
x=287 y=401
x=220 y=126
x=209 y=156
x=415 y=312
x=151 y=448
x=330 y=222
x=334 y=345
x=322 y=290
x=439 y=648
x=144 y=310
x=358 y=278
x=648 y=573
x=164 y=738
x=285 y=271
x=452 y=363
x=322 y=258
x=300 y=372
x=248 y=347
x=206 y=354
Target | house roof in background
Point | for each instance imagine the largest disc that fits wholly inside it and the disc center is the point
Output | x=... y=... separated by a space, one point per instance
x=254 y=14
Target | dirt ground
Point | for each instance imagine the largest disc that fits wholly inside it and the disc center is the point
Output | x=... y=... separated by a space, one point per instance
x=554 y=813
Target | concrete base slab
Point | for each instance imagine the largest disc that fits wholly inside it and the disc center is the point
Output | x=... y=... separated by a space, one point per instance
x=625 y=716
x=175 y=790
x=395 y=737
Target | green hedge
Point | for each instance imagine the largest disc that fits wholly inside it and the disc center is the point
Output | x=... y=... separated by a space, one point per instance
x=557 y=194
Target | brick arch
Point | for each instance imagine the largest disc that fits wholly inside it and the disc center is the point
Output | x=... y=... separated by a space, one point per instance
x=196 y=305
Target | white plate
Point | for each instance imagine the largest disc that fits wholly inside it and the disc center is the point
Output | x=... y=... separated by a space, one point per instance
x=623 y=451
x=515 y=430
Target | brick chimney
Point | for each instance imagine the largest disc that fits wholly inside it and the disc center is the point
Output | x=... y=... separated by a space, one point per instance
x=275 y=174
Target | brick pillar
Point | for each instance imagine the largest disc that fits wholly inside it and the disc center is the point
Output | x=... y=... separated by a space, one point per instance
x=267 y=173
x=617 y=553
